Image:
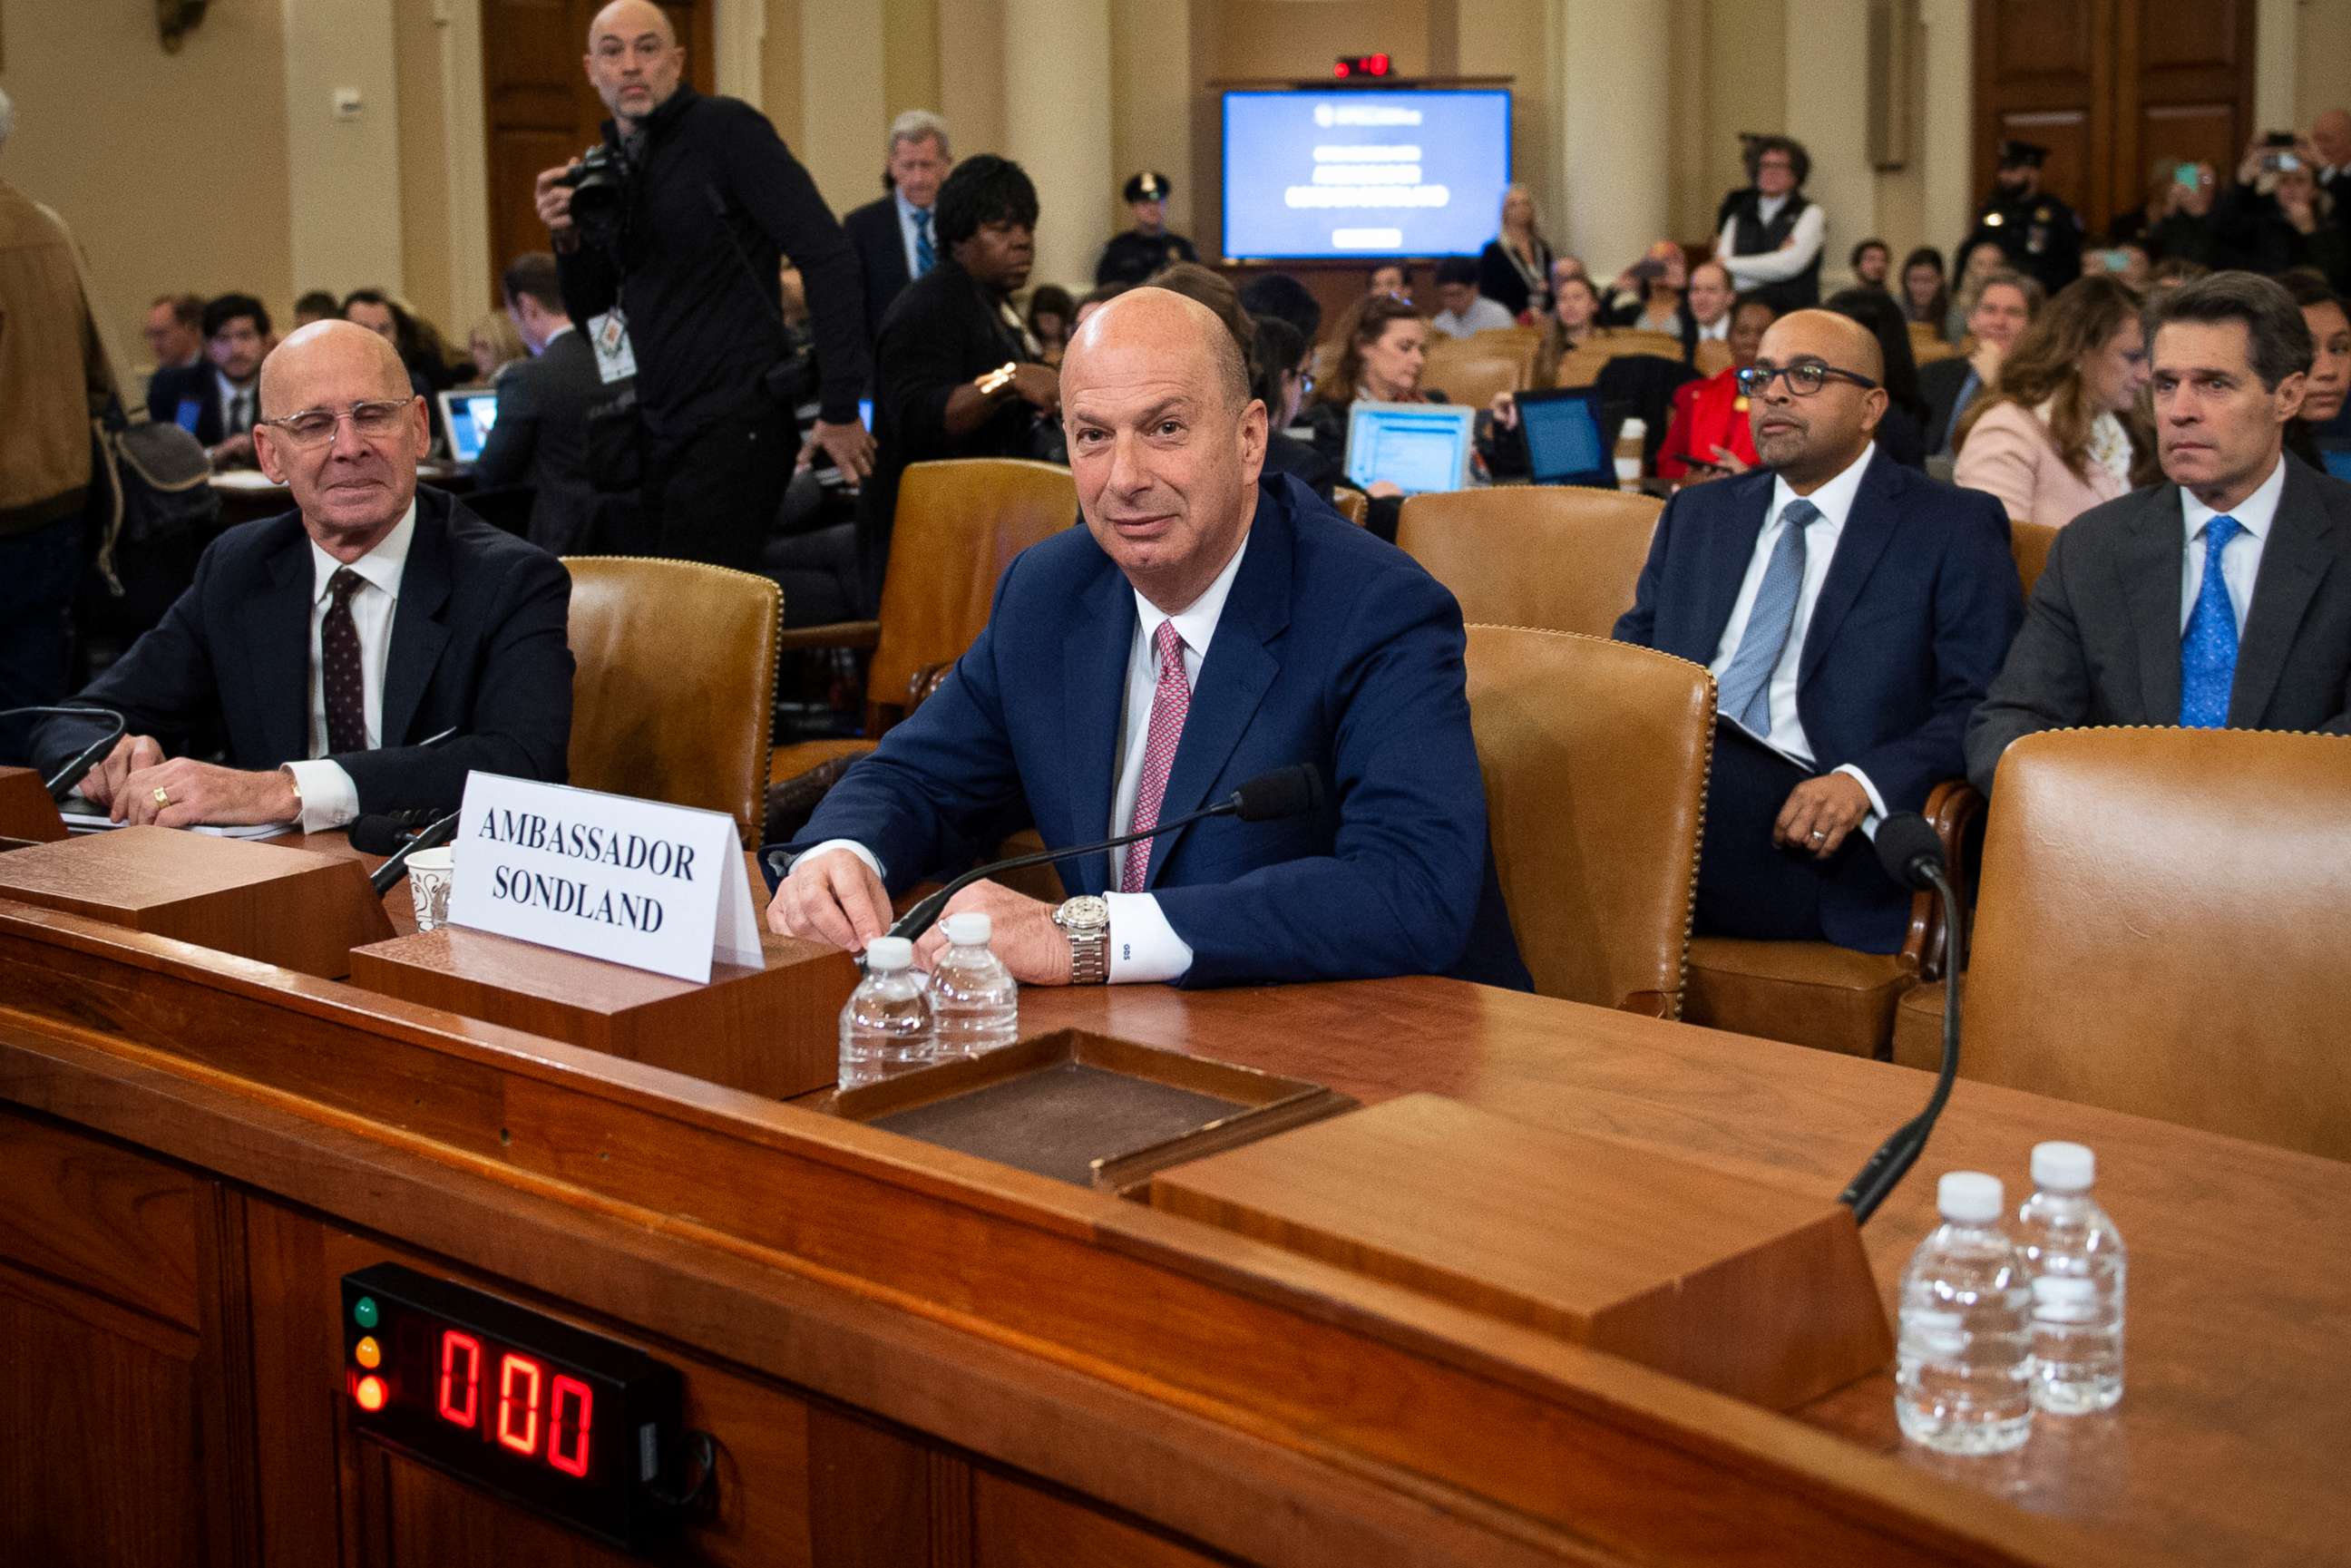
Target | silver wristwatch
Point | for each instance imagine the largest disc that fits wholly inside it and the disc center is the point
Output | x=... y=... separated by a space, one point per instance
x=1085 y=921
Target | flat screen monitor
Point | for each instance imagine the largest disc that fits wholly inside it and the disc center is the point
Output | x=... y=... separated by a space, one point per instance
x=1318 y=176
x=1565 y=441
x=467 y=413
x=1416 y=446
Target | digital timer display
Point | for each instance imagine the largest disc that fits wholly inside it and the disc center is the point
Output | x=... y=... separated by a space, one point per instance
x=552 y=1417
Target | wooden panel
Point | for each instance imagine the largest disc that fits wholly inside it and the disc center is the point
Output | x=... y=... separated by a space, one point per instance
x=99 y=1218
x=1015 y=1525
x=2041 y=37
x=2183 y=87
x=2043 y=70
x=25 y=809
x=870 y=1497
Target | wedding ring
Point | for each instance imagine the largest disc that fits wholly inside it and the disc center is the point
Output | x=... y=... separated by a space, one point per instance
x=163 y=796
x=1817 y=834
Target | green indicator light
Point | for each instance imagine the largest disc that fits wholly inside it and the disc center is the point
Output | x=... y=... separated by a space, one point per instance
x=363 y=1311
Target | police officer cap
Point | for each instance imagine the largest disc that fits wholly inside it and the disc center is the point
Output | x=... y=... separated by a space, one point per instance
x=2022 y=155
x=1148 y=186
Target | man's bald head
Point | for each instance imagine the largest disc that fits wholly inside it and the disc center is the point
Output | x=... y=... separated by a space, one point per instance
x=329 y=353
x=629 y=18
x=1809 y=438
x=1159 y=323
x=1832 y=338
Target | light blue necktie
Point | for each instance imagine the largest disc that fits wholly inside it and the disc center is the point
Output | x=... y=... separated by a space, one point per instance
x=924 y=255
x=1745 y=690
x=2208 y=649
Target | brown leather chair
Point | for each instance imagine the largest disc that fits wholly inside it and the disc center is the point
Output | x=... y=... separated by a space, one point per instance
x=1351 y=504
x=2029 y=543
x=1595 y=755
x=1553 y=556
x=2163 y=926
x=1470 y=372
x=675 y=682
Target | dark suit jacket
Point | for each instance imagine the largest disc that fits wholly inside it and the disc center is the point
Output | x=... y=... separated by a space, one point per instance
x=1333 y=649
x=874 y=233
x=478 y=645
x=1940 y=384
x=540 y=439
x=1917 y=610
x=2101 y=638
x=197 y=383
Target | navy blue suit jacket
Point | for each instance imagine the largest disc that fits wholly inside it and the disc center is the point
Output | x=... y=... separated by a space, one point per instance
x=197 y=385
x=1332 y=649
x=1912 y=623
x=478 y=645
x=881 y=245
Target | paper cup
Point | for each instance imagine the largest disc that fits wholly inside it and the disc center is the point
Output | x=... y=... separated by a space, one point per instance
x=429 y=878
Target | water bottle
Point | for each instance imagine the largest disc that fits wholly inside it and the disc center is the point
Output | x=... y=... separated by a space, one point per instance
x=886 y=1030
x=2073 y=1259
x=972 y=993
x=1963 y=1373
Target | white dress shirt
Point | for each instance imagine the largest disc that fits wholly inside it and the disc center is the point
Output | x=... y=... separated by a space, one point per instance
x=1835 y=500
x=329 y=799
x=1720 y=332
x=1761 y=267
x=2242 y=562
x=906 y=211
x=1143 y=945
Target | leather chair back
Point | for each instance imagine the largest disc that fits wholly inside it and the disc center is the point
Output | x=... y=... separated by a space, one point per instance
x=675 y=688
x=1712 y=357
x=1596 y=756
x=2029 y=543
x=960 y=522
x=1351 y=504
x=1553 y=556
x=1470 y=371
x=2162 y=930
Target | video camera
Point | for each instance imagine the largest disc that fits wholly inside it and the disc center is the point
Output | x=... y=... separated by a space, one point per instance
x=600 y=187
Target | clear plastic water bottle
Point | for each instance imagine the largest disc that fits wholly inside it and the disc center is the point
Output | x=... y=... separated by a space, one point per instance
x=1963 y=1372
x=973 y=995
x=2073 y=1260
x=886 y=1029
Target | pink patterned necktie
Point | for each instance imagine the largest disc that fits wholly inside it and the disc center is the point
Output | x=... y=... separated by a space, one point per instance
x=1169 y=705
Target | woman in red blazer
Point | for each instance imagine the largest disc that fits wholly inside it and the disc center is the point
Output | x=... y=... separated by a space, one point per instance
x=1708 y=436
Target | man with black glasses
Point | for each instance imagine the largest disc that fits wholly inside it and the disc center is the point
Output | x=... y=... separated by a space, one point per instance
x=361 y=654
x=1853 y=612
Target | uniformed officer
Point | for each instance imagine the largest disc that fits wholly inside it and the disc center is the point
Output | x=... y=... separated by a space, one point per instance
x=1147 y=247
x=2038 y=234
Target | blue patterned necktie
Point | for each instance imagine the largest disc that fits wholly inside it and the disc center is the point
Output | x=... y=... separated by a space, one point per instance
x=2208 y=649
x=1745 y=690
x=924 y=255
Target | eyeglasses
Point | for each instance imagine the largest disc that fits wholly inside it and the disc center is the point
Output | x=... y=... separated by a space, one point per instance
x=314 y=426
x=1803 y=379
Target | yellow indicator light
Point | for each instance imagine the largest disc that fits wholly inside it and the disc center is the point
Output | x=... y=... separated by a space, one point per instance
x=367 y=1352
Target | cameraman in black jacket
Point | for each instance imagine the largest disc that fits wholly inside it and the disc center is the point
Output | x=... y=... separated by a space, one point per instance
x=688 y=251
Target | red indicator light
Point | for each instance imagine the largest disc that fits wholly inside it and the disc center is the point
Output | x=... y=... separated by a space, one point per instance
x=569 y=1429
x=1379 y=65
x=461 y=1377
x=369 y=1392
x=1339 y=70
x=518 y=1381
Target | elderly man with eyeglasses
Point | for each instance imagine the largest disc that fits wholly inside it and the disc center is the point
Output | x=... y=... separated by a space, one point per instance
x=361 y=654
x=1853 y=612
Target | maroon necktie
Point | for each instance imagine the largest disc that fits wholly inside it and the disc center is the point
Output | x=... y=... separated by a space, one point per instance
x=1169 y=705
x=339 y=667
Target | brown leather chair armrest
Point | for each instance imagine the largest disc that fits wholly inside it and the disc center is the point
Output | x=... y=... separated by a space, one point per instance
x=1647 y=1005
x=1953 y=808
x=836 y=634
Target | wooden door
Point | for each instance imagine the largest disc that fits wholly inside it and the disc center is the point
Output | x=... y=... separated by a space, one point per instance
x=2109 y=87
x=537 y=108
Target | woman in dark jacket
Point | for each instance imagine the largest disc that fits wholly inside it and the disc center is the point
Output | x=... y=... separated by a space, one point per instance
x=1514 y=269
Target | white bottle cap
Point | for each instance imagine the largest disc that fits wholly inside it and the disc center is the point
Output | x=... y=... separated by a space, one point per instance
x=2064 y=1167
x=970 y=929
x=887 y=954
x=1971 y=1197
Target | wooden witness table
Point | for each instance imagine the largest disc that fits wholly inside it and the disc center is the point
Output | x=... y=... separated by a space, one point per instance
x=911 y=1356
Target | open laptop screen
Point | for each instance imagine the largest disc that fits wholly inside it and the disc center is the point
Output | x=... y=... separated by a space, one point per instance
x=1417 y=447
x=1565 y=443
x=467 y=413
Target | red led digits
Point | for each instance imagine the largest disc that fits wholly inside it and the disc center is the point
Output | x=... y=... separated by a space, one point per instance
x=517 y=1372
x=461 y=1377
x=572 y=1428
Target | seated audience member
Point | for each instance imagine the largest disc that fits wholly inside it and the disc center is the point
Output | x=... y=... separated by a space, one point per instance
x=1771 y=240
x=1852 y=612
x=1053 y=316
x=893 y=235
x=2324 y=312
x=540 y=438
x=1925 y=294
x=1096 y=297
x=1648 y=297
x=1979 y=262
x=495 y=346
x=1206 y=625
x=956 y=373
x=1710 y=300
x=428 y=370
x=1871 y=262
x=1572 y=345
x=2221 y=597
x=1389 y=278
x=218 y=402
x=2124 y=261
x=318 y=305
x=1466 y=311
x=2005 y=304
x=2059 y=433
x=1214 y=289
x=1709 y=435
x=1279 y=294
x=2175 y=217
x=2330 y=149
x=1563 y=267
x=1901 y=429
x=1282 y=373
x=331 y=643
x=1384 y=347
x=2275 y=218
x=175 y=331
x=1514 y=269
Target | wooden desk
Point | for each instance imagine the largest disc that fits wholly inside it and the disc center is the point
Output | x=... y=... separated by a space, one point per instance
x=914 y=1357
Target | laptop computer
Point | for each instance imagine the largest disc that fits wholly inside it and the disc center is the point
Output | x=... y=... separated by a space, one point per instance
x=467 y=413
x=1416 y=446
x=1566 y=442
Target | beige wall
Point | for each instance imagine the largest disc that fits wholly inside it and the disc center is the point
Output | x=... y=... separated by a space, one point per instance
x=425 y=203
x=2322 y=66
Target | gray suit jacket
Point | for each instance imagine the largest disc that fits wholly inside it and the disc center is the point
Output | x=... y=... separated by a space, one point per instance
x=2101 y=638
x=541 y=439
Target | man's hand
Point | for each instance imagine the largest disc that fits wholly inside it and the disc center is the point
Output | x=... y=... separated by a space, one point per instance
x=1504 y=407
x=1820 y=812
x=554 y=199
x=204 y=793
x=848 y=444
x=236 y=449
x=1040 y=386
x=832 y=897
x=1036 y=950
x=1727 y=460
x=102 y=785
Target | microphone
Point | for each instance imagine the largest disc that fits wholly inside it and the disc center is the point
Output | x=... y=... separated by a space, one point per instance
x=1284 y=792
x=388 y=875
x=60 y=783
x=1912 y=855
x=385 y=832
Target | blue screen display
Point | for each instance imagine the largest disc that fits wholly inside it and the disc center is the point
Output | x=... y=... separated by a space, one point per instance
x=1336 y=175
x=2338 y=461
x=471 y=415
x=1562 y=437
x=1416 y=448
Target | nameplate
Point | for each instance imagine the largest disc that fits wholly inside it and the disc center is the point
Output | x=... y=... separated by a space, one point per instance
x=634 y=882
